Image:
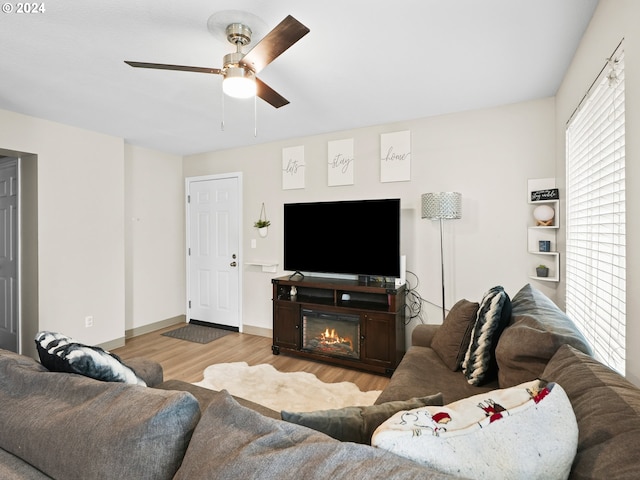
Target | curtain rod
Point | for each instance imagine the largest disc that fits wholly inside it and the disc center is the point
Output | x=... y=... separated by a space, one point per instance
x=595 y=81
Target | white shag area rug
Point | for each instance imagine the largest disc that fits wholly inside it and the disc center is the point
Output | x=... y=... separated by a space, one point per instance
x=291 y=391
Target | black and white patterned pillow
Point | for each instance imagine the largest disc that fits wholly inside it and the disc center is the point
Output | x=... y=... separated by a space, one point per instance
x=479 y=365
x=59 y=353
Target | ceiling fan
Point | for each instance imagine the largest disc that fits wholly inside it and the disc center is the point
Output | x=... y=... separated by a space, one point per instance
x=239 y=69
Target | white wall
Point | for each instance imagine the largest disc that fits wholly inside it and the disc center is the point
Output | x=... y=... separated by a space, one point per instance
x=80 y=224
x=487 y=155
x=613 y=20
x=154 y=226
x=87 y=265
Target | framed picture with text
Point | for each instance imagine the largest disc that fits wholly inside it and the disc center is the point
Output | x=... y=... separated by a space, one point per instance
x=395 y=156
x=340 y=162
x=293 y=167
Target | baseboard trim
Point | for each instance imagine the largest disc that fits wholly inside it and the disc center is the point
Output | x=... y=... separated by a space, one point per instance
x=261 y=332
x=152 y=327
x=134 y=332
x=112 y=344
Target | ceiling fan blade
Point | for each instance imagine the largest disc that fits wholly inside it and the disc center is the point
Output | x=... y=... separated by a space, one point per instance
x=183 y=68
x=269 y=95
x=285 y=34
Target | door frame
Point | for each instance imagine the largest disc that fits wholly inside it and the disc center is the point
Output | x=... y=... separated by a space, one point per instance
x=221 y=176
x=9 y=159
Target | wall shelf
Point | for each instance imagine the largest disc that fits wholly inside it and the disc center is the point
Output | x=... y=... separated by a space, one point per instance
x=537 y=233
x=267 y=267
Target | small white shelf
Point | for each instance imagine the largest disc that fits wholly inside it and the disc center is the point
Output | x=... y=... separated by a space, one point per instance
x=267 y=267
x=537 y=233
x=546 y=279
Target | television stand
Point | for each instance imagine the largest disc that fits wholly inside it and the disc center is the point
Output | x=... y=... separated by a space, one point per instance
x=350 y=323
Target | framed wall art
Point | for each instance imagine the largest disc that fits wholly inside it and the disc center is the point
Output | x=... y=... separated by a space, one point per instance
x=293 y=167
x=340 y=162
x=395 y=156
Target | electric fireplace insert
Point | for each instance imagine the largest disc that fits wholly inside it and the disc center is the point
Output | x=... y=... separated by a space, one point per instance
x=333 y=334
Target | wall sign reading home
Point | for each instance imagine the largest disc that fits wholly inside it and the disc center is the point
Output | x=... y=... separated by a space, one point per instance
x=395 y=156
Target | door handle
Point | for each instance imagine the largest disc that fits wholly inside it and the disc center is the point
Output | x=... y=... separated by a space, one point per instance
x=233 y=264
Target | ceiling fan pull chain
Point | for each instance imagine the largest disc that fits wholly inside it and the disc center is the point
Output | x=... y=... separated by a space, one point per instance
x=222 y=122
x=255 y=116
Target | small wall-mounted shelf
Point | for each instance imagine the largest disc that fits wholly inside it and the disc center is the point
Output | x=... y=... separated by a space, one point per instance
x=539 y=233
x=267 y=267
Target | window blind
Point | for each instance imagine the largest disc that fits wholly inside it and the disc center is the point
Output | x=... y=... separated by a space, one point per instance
x=595 y=225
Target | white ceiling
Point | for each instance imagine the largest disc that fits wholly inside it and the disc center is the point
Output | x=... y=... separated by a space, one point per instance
x=363 y=63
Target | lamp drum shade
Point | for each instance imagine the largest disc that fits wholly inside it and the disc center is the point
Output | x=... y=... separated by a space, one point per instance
x=446 y=205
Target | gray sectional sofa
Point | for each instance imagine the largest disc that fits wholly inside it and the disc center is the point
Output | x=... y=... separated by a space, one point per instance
x=67 y=426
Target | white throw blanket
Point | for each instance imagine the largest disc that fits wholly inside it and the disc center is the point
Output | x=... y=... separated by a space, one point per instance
x=525 y=432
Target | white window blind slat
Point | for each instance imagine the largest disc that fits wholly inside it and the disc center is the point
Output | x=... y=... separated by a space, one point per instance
x=596 y=244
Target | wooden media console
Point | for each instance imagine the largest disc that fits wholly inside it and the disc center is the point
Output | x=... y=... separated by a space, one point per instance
x=344 y=322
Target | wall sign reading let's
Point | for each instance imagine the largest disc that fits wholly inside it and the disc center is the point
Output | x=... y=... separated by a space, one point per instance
x=293 y=167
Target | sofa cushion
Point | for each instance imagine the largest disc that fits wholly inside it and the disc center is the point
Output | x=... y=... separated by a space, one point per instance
x=205 y=396
x=73 y=427
x=607 y=408
x=524 y=432
x=356 y=424
x=537 y=329
x=494 y=313
x=149 y=371
x=232 y=441
x=14 y=468
x=60 y=353
x=422 y=373
x=451 y=340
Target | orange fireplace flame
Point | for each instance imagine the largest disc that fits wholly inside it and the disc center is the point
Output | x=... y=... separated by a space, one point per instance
x=329 y=337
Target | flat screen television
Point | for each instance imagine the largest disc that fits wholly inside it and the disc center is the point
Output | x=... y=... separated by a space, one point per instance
x=354 y=237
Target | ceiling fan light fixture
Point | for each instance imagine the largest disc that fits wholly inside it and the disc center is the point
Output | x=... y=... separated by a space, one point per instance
x=239 y=83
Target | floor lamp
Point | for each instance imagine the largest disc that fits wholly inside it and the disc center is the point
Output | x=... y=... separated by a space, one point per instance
x=442 y=206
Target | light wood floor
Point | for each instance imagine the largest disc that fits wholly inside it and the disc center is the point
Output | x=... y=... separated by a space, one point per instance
x=183 y=360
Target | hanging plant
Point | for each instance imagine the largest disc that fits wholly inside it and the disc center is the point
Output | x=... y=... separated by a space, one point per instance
x=262 y=224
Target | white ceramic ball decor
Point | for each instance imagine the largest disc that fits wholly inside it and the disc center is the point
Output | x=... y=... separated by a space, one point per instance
x=544 y=215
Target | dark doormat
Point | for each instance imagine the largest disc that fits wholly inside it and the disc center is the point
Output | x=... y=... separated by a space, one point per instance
x=197 y=333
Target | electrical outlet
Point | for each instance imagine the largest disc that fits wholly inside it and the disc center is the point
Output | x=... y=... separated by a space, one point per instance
x=88 y=321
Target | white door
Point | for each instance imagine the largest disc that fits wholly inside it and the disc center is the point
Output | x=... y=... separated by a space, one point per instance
x=214 y=250
x=8 y=255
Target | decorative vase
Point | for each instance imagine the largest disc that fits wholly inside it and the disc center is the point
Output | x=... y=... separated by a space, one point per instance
x=263 y=231
x=542 y=271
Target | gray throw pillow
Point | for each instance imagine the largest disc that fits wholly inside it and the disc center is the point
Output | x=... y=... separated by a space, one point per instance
x=536 y=331
x=451 y=340
x=356 y=424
